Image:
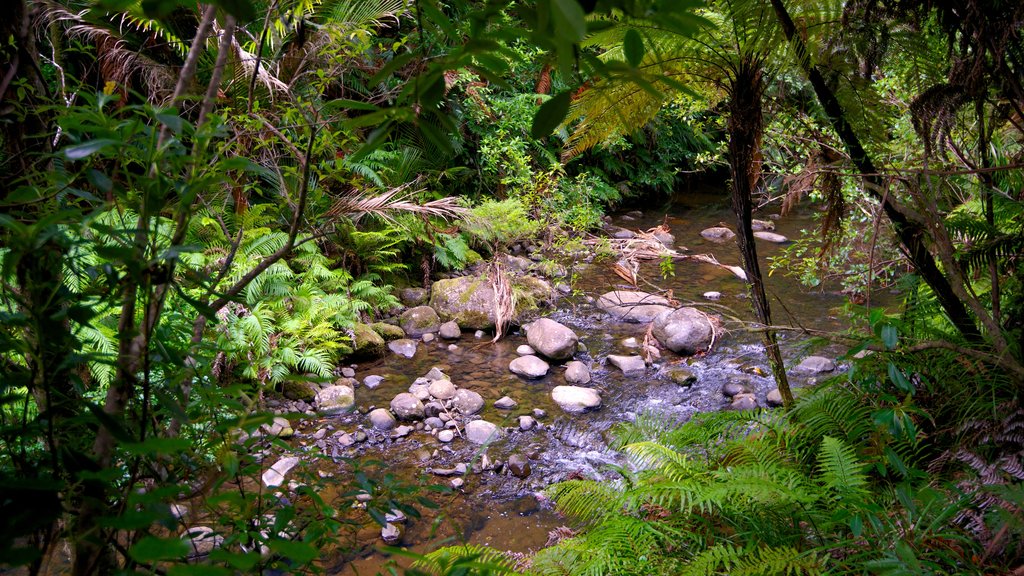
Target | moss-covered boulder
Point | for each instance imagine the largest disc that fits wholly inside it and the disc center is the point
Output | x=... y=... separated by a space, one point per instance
x=470 y=300
x=368 y=343
x=299 y=390
x=387 y=331
x=419 y=321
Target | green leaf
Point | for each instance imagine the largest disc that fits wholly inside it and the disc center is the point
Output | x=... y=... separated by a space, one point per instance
x=569 y=21
x=890 y=336
x=198 y=570
x=897 y=378
x=633 y=47
x=86 y=149
x=551 y=114
x=300 y=552
x=152 y=549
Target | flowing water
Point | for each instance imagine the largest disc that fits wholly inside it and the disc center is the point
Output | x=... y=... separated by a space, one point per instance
x=505 y=512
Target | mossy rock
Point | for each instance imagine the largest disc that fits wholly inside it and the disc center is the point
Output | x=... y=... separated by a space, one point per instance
x=473 y=257
x=387 y=331
x=469 y=300
x=299 y=390
x=368 y=343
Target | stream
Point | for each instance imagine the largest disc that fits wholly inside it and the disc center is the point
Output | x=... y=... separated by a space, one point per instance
x=506 y=512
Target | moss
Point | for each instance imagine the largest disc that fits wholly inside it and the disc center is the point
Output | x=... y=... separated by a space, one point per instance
x=298 y=390
x=473 y=319
x=473 y=257
x=387 y=331
x=368 y=344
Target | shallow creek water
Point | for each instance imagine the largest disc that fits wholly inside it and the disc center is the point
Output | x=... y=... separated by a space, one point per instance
x=503 y=511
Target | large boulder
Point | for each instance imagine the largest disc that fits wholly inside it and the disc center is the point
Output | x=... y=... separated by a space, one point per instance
x=552 y=339
x=470 y=300
x=684 y=330
x=412 y=297
x=336 y=399
x=632 y=306
x=419 y=321
x=529 y=367
x=407 y=407
x=387 y=331
x=482 y=432
x=299 y=390
x=576 y=398
x=367 y=344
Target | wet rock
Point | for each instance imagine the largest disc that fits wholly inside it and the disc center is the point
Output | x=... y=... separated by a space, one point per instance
x=731 y=389
x=345 y=439
x=335 y=399
x=458 y=483
x=525 y=350
x=761 y=225
x=434 y=422
x=552 y=339
x=420 y=391
x=360 y=436
x=391 y=534
x=319 y=434
x=413 y=297
x=482 y=432
x=575 y=398
x=201 y=541
x=450 y=331
x=470 y=300
x=684 y=330
x=771 y=237
x=743 y=402
x=712 y=295
x=403 y=347
x=517 y=263
x=427 y=338
x=468 y=402
x=665 y=238
x=395 y=517
x=279 y=427
x=387 y=331
x=577 y=372
x=478 y=334
x=348 y=372
x=446 y=436
x=433 y=409
x=442 y=389
x=435 y=373
x=630 y=342
x=366 y=343
x=299 y=390
x=815 y=365
x=718 y=233
x=407 y=407
x=274 y=476
x=526 y=423
x=372 y=381
x=774 y=398
x=632 y=306
x=382 y=419
x=402 y=431
x=453 y=347
x=419 y=321
x=619 y=233
x=682 y=376
x=538 y=413
x=505 y=403
x=630 y=365
x=529 y=367
x=519 y=465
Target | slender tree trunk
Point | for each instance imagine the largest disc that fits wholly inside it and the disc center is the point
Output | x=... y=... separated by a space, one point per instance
x=745 y=128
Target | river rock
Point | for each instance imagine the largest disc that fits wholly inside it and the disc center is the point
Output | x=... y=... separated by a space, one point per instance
x=391 y=534
x=519 y=465
x=761 y=225
x=419 y=321
x=428 y=338
x=450 y=331
x=433 y=409
x=382 y=419
x=529 y=367
x=435 y=373
x=682 y=376
x=201 y=540
x=630 y=365
x=712 y=295
x=525 y=350
x=407 y=407
x=743 y=402
x=577 y=372
x=274 y=476
x=468 y=402
x=387 y=331
x=420 y=391
x=632 y=306
x=348 y=372
x=413 y=297
x=516 y=263
x=335 y=399
x=482 y=432
x=527 y=423
x=446 y=436
x=619 y=233
x=442 y=389
x=718 y=233
x=552 y=339
x=457 y=483
x=366 y=343
x=576 y=398
x=402 y=431
x=771 y=237
x=298 y=390
x=665 y=238
x=279 y=427
x=505 y=403
x=403 y=347
x=470 y=300
x=815 y=365
x=372 y=381
x=433 y=422
x=732 y=389
x=774 y=398
x=684 y=330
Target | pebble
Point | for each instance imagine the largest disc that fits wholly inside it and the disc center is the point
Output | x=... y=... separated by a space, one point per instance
x=526 y=423
x=505 y=403
x=713 y=295
x=525 y=350
x=478 y=334
x=446 y=436
x=348 y=372
x=372 y=382
x=457 y=483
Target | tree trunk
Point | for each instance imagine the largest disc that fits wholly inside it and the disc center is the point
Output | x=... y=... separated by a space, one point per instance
x=745 y=127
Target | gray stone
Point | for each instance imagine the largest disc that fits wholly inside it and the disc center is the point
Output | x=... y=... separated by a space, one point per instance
x=482 y=432
x=274 y=476
x=525 y=350
x=335 y=399
x=402 y=431
x=468 y=402
x=743 y=402
x=442 y=389
x=382 y=419
x=712 y=295
x=632 y=306
x=774 y=397
x=446 y=436
x=433 y=409
x=761 y=225
x=505 y=403
x=413 y=297
x=552 y=339
x=815 y=365
x=731 y=389
x=529 y=367
x=201 y=541
x=395 y=516
x=427 y=338
x=630 y=342
x=345 y=439
x=279 y=427
x=538 y=413
x=682 y=376
x=433 y=422
x=373 y=381
x=419 y=321
x=526 y=423
x=403 y=347
x=577 y=372
x=519 y=465
x=771 y=237
x=391 y=534
x=299 y=390
x=348 y=372
x=684 y=330
x=575 y=398
x=620 y=233
x=435 y=373
x=407 y=407
x=718 y=233
x=457 y=483
x=630 y=365
x=478 y=334
x=450 y=330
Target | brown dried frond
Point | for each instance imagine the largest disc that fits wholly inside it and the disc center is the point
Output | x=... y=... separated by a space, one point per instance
x=558 y=534
x=355 y=205
x=934 y=113
x=504 y=300
x=543 y=82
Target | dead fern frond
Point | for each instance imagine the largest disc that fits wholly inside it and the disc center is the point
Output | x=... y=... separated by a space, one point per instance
x=504 y=300
x=355 y=205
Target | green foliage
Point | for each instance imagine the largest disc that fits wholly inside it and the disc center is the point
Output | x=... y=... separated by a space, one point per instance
x=495 y=224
